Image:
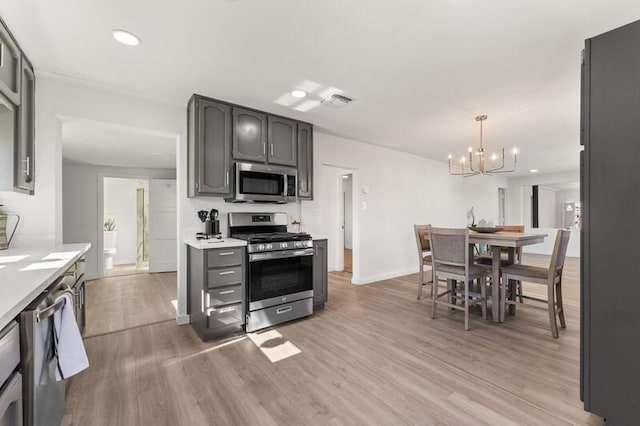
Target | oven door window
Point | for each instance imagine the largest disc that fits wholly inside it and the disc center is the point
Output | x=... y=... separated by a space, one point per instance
x=279 y=277
x=256 y=183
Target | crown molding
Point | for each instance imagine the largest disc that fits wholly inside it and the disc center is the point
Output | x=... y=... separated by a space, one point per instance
x=80 y=81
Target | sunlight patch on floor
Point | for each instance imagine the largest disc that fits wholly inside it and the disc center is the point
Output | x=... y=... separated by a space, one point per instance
x=273 y=345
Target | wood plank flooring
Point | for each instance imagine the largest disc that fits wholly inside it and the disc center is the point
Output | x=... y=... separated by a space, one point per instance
x=348 y=260
x=373 y=356
x=119 y=303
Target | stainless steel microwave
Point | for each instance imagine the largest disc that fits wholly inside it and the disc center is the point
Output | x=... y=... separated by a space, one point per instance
x=264 y=183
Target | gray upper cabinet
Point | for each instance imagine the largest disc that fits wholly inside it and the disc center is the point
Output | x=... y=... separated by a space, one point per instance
x=10 y=66
x=209 y=147
x=282 y=141
x=305 y=161
x=24 y=167
x=249 y=135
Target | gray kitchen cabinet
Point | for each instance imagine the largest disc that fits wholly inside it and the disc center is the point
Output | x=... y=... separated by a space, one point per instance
x=217 y=293
x=249 y=135
x=24 y=165
x=10 y=66
x=209 y=147
x=320 y=274
x=282 y=142
x=305 y=161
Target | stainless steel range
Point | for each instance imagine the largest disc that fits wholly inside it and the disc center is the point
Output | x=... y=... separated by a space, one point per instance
x=280 y=271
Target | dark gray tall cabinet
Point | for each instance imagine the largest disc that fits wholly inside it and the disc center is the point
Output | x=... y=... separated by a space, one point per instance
x=610 y=288
x=320 y=274
x=209 y=156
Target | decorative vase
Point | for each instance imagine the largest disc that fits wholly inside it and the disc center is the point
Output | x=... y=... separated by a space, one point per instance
x=5 y=240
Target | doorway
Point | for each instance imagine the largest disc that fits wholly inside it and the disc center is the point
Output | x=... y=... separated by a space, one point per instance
x=347 y=221
x=125 y=226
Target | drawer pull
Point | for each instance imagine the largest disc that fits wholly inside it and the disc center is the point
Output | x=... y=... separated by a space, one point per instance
x=227 y=272
x=227 y=292
x=227 y=253
x=284 y=310
x=224 y=310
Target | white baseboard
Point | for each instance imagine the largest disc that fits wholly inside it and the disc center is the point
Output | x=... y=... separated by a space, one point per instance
x=385 y=276
x=183 y=319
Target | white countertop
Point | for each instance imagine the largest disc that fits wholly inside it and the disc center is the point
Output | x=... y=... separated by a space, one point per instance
x=25 y=273
x=214 y=243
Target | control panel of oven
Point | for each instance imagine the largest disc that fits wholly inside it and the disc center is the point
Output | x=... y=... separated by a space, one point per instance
x=279 y=246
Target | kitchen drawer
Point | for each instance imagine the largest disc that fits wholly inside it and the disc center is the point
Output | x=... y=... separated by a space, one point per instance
x=225 y=316
x=225 y=257
x=277 y=314
x=9 y=350
x=224 y=276
x=225 y=295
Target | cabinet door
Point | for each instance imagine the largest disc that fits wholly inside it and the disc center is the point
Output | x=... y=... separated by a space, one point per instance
x=320 y=273
x=24 y=167
x=305 y=161
x=9 y=66
x=249 y=135
x=282 y=141
x=213 y=147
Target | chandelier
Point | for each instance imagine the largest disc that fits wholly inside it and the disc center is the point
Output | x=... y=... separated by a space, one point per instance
x=481 y=165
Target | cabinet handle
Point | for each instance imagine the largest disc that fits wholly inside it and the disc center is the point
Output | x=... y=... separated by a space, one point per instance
x=227 y=178
x=227 y=272
x=28 y=166
x=226 y=253
x=271 y=146
x=223 y=310
x=264 y=148
x=227 y=292
x=284 y=310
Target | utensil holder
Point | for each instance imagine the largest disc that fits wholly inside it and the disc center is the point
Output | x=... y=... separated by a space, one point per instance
x=5 y=241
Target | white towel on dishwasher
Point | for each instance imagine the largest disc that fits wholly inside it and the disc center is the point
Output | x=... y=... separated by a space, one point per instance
x=72 y=357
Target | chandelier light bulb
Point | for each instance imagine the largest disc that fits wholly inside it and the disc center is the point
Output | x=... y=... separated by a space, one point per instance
x=494 y=156
x=462 y=159
x=450 y=156
x=515 y=151
x=470 y=149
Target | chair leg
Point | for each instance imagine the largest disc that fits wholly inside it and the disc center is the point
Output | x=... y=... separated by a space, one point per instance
x=502 y=296
x=519 y=291
x=483 y=291
x=551 y=301
x=420 y=280
x=434 y=295
x=466 y=305
x=563 y=323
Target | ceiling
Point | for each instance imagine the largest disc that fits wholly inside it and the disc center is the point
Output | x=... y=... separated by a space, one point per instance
x=419 y=70
x=101 y=144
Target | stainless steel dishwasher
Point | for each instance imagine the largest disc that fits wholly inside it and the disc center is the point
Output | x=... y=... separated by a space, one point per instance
x=43 y=396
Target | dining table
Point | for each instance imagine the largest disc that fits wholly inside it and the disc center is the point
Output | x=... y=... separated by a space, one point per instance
x=498 y=240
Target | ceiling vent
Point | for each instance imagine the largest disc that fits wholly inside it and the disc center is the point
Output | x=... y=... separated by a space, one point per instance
x=337 y=101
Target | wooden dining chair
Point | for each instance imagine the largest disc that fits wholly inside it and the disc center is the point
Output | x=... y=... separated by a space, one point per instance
x=551 y=277
x=424 y=254
x=450 y=255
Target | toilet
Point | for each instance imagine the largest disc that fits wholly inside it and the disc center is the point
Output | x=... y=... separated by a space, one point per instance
x=110 y=241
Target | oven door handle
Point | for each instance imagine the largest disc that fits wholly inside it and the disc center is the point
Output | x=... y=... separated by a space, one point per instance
x=255 y=257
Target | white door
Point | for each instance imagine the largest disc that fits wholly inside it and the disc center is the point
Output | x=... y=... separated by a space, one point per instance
x=163 y=256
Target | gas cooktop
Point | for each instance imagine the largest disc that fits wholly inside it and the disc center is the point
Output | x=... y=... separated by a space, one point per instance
x=272 y=237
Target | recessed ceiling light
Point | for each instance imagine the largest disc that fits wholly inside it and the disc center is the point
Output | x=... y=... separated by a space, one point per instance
x=126 y=37
x=298 y=93
x=534 y=170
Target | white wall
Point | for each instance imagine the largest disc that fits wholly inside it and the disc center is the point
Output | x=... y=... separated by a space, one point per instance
x=547 y=207
x=120 y=204
x=402 y=190
x=81 y=191
x=348 y=212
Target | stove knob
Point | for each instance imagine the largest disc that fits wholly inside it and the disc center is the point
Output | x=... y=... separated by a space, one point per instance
x=260 y=247
x=299 y=244
x=284 y=245
x=269 y=246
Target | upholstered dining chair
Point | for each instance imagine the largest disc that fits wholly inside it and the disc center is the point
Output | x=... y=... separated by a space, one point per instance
x=424 y=254
x=551 y=277
x=450 y=254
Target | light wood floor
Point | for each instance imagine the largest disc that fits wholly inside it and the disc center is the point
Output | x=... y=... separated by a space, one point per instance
x=129 y=269
x=119 y=303
x=348 y=260
x=373 y=356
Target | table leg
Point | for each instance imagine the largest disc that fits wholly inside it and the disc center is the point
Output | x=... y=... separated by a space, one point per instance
x=496 y=288
x=512 y=283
